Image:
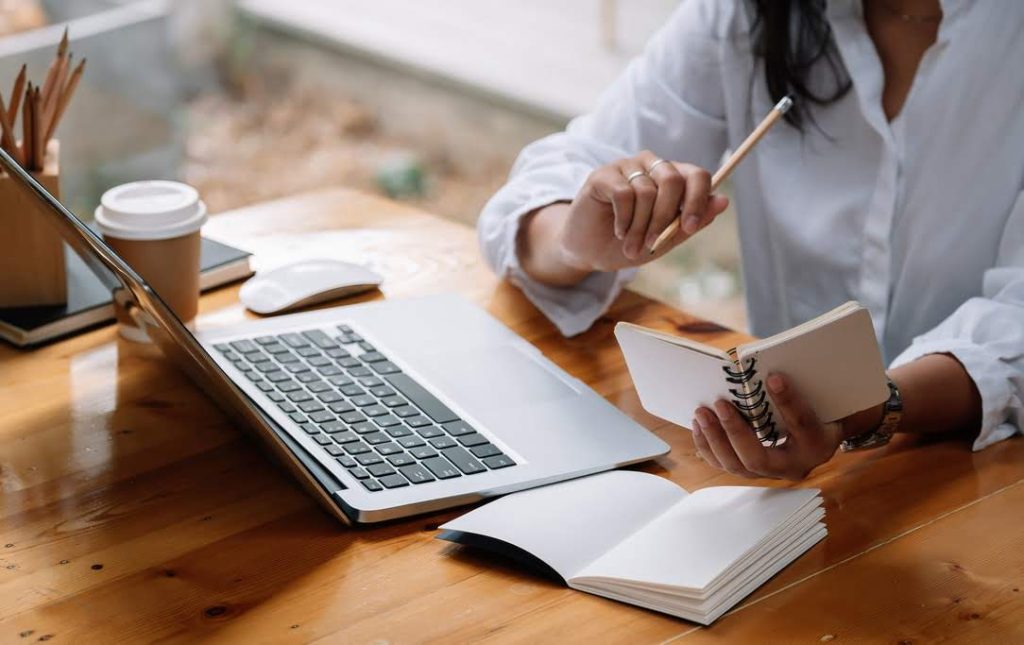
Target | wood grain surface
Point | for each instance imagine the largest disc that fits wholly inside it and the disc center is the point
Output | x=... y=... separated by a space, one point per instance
x=133 y=511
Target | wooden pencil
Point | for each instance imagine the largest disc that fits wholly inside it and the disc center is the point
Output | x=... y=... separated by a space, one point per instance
x=16 y=94
x=51 y=102
x=39 y=145
x=27 y=136
x=7 y=138
x=734 y=159
x=54 y=70
x=65 y=99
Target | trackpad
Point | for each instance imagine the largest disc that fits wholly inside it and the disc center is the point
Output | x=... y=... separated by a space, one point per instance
x=496 y=375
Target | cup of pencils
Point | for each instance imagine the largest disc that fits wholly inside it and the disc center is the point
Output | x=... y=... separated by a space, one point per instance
x=31 y=250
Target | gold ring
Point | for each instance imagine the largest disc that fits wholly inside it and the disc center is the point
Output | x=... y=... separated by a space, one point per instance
x=635 y=174
x=654 y=165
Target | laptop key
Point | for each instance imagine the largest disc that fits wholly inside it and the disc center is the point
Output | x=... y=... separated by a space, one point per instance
x=352 y=390
x=466 y=462
x=340 y=381
x=357 y=448
x=333 y=426
x=329 y=370
x=369 y=459
x=329 y=396
x=297 y=417
x=345 y=329
x=386 y=367
x=363 y=400
x=359 y=372
x=388 y=448
x=222 y=347
x=412 y=441
x=373 y=381
x=345 y=437
x=349 y=362
x=429 y=432
x=372 y=485
x=288 y=386
x=276 y=348
x=381 y=391
x=416 y=473
x=423 y=452
x=307 y=377
x=321 y=417
x=386 y=421
x=294 y=340
x=380 y=470
x=333 y=451
x=310 y=406
x=287 y=357
x=443 y=442
x=319 y=361
x=371 y=356
x=347 y=462
x=364 y=427
x=295 y=368
x=286 y=407
x=406 y=412
x=309 y=428
x=358 y=473
x=265 y=340
x=485 y=450
x=499 y=461
x=266 y=387
x=423 y=399
x=458 y=428
x=307 y=352
x=352 y=417
x=417 y=421
x=341 y=407
x=398 y=431
x=322 y=439
x=393 y=401
x=401 y=459
x=230 y=355
x=254 y=377
x=319 y=338
x=441 y=468
x=376 y=438
x=299 y=396
x=337 y=352
x=244 y=346
x=276 y=397
x=394 y=481
x=475 y=439
x=375 y=410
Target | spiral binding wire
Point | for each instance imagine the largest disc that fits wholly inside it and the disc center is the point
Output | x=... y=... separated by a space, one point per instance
x=752 y=402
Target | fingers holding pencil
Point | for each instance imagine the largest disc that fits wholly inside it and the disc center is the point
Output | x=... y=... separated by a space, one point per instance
x=723 y=173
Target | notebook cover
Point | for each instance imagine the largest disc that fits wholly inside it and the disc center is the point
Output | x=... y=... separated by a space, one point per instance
x=89 y=301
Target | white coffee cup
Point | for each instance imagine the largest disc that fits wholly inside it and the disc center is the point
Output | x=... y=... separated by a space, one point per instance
x=154 y=227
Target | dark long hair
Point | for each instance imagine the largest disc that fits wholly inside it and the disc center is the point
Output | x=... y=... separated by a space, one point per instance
x=794 y=37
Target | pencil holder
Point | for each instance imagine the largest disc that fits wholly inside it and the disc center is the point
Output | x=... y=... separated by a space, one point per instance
x=32 y=271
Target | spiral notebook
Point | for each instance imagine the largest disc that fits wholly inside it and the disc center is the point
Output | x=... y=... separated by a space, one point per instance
x=833 y=361
x=641 y=539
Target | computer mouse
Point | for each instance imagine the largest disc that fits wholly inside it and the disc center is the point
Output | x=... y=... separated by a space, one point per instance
x=304 y=283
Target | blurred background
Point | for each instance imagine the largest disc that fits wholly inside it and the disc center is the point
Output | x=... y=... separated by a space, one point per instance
x=427 y=101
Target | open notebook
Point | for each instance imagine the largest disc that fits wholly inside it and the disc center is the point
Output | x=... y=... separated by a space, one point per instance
x=832 y=360
x=639 y=538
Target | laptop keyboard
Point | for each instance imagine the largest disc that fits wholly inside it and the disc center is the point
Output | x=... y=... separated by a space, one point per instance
x=386 y=429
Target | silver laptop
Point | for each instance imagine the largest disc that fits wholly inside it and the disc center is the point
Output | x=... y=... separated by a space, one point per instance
x=386 y=409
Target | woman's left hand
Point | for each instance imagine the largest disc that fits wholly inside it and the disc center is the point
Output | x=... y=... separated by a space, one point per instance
x=725 y=440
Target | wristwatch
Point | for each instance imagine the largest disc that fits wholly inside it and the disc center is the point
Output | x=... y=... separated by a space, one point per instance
x=892 y=414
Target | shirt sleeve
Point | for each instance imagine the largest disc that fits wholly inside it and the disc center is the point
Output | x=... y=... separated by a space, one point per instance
x=986 y=334
x=669 y=101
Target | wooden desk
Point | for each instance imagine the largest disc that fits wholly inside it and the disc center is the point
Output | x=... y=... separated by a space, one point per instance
x=133 y=510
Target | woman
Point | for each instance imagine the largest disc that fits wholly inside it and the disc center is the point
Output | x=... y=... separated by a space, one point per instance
x=896 y=181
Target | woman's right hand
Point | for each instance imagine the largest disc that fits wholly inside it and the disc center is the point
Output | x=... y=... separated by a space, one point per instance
x=613 y=222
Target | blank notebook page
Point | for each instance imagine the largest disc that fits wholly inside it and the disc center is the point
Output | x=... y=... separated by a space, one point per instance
x=699 y=538
x=567 y=525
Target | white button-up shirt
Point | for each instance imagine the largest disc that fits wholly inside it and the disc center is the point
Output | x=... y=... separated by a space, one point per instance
x=921 y=219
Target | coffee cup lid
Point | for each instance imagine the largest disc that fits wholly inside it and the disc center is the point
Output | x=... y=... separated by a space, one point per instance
x=150 y=210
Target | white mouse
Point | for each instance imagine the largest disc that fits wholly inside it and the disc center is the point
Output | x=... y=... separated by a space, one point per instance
x=306 y=282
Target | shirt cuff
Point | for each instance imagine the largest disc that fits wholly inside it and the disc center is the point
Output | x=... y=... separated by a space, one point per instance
x=571 y=309
x=990 y=376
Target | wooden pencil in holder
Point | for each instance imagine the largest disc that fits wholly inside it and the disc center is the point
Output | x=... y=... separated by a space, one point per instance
x=32 y=271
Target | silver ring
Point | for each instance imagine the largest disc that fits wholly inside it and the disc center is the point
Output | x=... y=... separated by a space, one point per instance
x=654 y=165
x=634 y=175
